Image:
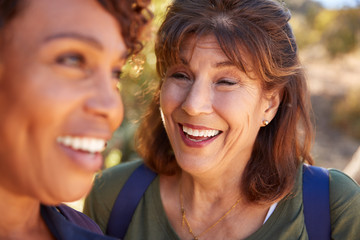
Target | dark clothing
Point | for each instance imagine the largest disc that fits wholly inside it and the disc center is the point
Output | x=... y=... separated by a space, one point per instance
x=66 y=223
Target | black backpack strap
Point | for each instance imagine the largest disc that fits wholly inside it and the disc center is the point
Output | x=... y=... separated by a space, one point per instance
x=127 y=201
x=316 y=202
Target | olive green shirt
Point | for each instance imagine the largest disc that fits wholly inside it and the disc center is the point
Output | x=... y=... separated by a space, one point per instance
x=286 y=222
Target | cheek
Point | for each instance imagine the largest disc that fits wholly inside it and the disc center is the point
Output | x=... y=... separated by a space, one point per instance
x=238 y=109
x=170 y=104
x=50 y=107
x=170 y=99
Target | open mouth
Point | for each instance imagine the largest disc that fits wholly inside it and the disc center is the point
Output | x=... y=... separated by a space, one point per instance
x=83 y=151
x=86 y=144
x=199 y=135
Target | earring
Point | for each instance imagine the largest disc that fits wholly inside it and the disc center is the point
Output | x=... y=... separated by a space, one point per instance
x=265 y=123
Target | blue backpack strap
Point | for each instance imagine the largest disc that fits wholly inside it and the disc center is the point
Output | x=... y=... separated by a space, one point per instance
x=316 y=202
x=79 y=218
x=66 y=223
x=127 y=201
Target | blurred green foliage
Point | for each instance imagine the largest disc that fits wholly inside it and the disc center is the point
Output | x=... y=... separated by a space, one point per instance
x=344 y=34
x=347 y=113
x=338 y=30
x=137 y=83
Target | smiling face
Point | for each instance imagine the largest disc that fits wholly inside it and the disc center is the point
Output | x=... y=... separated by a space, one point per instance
x=59 y=102
x=211 y=110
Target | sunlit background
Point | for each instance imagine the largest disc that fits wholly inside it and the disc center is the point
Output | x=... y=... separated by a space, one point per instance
x=328 y=35
x=337 y=4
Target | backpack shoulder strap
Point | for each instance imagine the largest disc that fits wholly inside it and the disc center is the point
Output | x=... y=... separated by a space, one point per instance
x=316 y=202
x=79 y=218
x=127 y=201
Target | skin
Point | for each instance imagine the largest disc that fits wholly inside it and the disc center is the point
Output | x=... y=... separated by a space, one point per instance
x=57 y=79
x=206 y=91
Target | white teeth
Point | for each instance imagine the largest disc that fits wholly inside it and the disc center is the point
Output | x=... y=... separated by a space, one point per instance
x=200 y=133
x=91 y=145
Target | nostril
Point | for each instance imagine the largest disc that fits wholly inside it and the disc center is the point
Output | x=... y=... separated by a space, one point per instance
x=197 y=106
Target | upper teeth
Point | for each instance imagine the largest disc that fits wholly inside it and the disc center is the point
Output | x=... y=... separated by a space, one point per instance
x=82 y=143
x=200 y=133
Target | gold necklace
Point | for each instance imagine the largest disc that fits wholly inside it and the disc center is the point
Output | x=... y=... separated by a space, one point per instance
x=185 y=221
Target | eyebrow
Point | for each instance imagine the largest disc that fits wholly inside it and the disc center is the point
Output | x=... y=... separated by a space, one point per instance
x=80 y=37
x=76 y=36
x=224 y=64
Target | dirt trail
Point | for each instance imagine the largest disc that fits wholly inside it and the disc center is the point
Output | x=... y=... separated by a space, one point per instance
x=328 y=80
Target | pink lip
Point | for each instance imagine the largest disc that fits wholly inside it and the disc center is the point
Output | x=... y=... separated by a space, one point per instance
x=85 y=160
x=104 y=136
x=196 y=127
x=193 y=144
x=90 y=130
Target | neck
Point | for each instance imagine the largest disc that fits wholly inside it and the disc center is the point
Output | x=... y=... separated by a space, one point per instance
x=211 y=205
x=208 y=200
x=221 y=185
x=20 y=215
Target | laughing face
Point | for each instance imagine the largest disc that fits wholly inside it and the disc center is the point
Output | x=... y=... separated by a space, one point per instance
x=59 y=103
x=211 y=110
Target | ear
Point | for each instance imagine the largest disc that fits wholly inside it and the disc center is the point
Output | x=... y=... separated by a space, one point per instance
x=272 y=99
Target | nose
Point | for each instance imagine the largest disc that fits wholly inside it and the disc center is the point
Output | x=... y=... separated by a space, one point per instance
x=198 y=99
x=105 y=100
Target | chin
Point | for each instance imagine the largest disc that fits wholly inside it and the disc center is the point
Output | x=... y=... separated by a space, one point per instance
x=68 y=192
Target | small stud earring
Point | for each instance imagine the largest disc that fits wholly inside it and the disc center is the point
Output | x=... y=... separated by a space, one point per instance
x=265 y=123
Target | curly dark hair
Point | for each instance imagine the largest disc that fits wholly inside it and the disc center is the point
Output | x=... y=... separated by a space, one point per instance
x=132 y=16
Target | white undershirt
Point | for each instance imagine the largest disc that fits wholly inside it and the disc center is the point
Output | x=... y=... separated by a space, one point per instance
x=271 y=210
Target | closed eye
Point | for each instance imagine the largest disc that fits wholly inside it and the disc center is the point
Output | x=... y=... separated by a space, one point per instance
x=226 y=82
x=180 y=76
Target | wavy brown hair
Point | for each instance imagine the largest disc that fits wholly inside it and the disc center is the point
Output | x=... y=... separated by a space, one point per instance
x=132 y=16
x=260 y=29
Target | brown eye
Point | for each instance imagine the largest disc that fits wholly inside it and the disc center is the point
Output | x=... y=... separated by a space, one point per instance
x=74 y=60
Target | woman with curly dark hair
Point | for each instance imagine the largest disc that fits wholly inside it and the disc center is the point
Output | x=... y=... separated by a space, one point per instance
x=60 y=62
x=228 y=133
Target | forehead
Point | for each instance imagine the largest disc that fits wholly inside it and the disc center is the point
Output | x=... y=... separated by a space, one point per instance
x=208 y=45
x=39 y=19
x=59 y=11
x=207 y=42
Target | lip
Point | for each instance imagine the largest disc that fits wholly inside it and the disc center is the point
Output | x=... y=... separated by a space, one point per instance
x=88 y=161
x=85 y=160
x=195 y=126
x=193 y=144
x=106 y=135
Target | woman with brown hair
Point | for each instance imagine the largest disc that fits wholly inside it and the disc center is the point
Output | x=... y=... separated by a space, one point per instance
x=60 y=62
x=228 y=132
